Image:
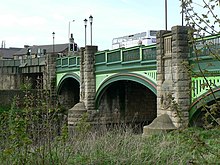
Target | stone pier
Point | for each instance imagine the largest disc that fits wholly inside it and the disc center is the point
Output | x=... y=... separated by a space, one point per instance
x=89 y=78
x=87 y=87
x=173 y=80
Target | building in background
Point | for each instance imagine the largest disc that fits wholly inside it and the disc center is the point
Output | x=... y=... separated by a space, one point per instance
x=36 y=51
x=8 y=53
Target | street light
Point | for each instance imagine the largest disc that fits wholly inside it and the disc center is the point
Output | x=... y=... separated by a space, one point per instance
x=91 y=20
x=182 y=4
x=69 y=29
x=85 y=23
x=53 y=41
x=166 y=14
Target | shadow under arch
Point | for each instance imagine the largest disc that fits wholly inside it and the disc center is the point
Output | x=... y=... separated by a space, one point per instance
x=125 y=76
x=206 y=98
x=62 y=80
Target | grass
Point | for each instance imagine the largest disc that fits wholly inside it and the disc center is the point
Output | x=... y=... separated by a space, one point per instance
x=121 y=146
x=178 y=147
x=40 y=137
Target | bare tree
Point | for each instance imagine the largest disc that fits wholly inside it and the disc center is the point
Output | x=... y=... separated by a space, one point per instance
x=202 y=18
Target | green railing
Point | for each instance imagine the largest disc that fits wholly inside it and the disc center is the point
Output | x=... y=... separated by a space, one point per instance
x=58 y=62
x=206 y=46
x=67 y=62
x=205 y=59
x=7 y=63
x=23 y=62
x=201 y=86
x=100 y=57
x=139 y=53
x=33 y=61
x=149 y=53
x=133 y=54
x=113 y=56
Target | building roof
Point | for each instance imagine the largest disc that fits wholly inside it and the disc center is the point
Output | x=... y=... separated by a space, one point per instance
x=7 y=53
x=58 y=48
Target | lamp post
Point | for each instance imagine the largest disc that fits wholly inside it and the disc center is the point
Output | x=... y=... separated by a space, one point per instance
x=85 y=23
x=91 y=20
x=182 y=4
x=53 y=41
x=69 y=36
x=51 y=73
x=69 y=29
x=165 y=14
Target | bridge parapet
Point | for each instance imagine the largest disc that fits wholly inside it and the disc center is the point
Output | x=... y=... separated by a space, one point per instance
x=20 y=66
x=33 y=61
x=126 y=59
x=67 y=62
x=8 y=63
x=122 y=55
x=204 y=61
x=200 y=86
x=204 y=47
x=23 y=62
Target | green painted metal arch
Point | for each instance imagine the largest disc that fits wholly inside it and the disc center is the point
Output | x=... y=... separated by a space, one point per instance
x=201 y=101
x=125 y=76
x=69 y=75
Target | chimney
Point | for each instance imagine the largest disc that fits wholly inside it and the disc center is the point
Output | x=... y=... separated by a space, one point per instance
x=26 y=46
x=3 y=44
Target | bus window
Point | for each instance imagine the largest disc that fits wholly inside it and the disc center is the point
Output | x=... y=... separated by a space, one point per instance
x=143 y=38
x=153 y=32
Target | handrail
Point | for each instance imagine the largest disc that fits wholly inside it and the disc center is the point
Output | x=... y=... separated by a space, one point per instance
x=72 y=61
x=123 y=55
x=18 y=62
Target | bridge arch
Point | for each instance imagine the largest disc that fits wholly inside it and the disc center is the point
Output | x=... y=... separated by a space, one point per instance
x=206 y=99
x=128 y=98
x=69 y=75
x=68 y=90
x=127 y=76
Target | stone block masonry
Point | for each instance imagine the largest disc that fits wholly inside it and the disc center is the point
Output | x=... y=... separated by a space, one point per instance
x=173 y=84
x=9 y=81
x=173 y=81
x=88 y=73
x=87 y=86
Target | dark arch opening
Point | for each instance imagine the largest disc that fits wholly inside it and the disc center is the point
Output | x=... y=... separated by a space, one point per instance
x=207 y=115
x=128 y=102
x=68 y=93
x=34 y=79
x=197 y=112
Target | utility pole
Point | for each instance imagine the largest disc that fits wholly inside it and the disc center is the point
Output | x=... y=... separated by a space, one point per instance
x=165 y=14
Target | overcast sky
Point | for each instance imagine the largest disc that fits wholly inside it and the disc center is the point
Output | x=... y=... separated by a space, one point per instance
x=31 y=22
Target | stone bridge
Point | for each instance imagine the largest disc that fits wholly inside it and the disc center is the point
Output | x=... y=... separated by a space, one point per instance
x=132 y=85
x=140 y=83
